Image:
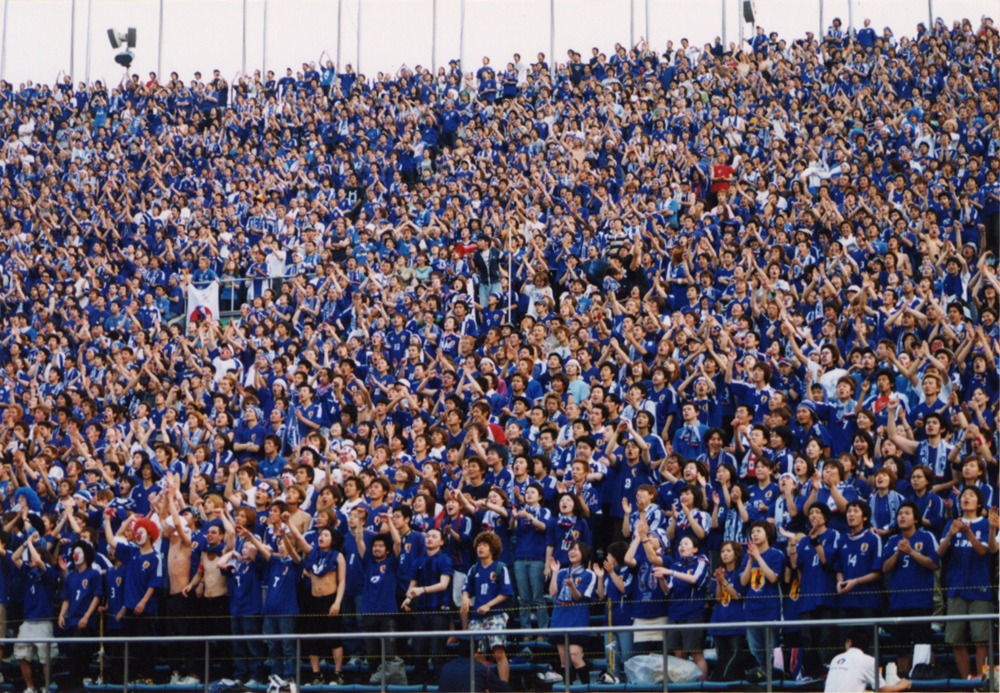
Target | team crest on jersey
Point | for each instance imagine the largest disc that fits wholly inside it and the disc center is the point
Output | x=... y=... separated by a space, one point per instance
x=118 y=581
x=763 y=398
x=493 y=576
x=725 y=598
x=576 y=534
x=864 y=548
x=381 y=569
x=919 y=546
x=84 y=583
x=768 y=494
x=756 y=579
x=145 y=565
x=406 y=546
x=794 y=590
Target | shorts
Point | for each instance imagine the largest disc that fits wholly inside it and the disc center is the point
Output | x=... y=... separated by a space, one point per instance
x=316 y=618
x=906 y=635
x=24 y=648
x=956 y=632
x=495 y=625
x=458 y=581
x=686 y=640
x=655 y=635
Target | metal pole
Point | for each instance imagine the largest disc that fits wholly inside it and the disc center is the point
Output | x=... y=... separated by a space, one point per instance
x=86 y=76
x=552 y=37
x=340 y=15
x=3 y=48
x=566 y=672
x=819 y=36
x=461 y=41
x=357 y=66
x=930 y=15
x=125 y=670
x=243 y=68
x=850 y=18
x=159 y=46
x=264 y=59
x=631 y=24
x=72 y=41
x=666 y=678
x=647 y=24
x=472 y=654
x=48 y=667
x=768 y=652
x=434 y=33
x=382 y=666
x=875 y=652
x=298 y=664
x=208 y=665
x=991 y=682
x=724 y=42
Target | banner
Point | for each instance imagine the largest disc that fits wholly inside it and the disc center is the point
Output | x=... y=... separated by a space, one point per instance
x=202 y=304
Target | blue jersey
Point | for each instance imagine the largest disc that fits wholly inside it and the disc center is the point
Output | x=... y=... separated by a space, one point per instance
x=686 y=601
x=114 y=588
x=858 y=555
x=381 y=577
x=912 y=585
x=142 y=573
x=763 y=600
x=648 y=600
x=484 y=585
x=428 y=572
x=727 y=609
x=530 y=540
x=243 y=582
x=968 y=574
x=355 y=581
x=567 y=612
x=282 y=578
x=411 y=551
x=39 y=588
x=563 y=532
x=818 y=584
x=79 y=590
x=621 y=605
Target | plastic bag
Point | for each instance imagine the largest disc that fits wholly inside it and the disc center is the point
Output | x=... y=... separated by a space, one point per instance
x=649 y=669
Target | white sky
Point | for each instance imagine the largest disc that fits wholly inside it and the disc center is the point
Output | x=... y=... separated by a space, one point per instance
x=208 y=34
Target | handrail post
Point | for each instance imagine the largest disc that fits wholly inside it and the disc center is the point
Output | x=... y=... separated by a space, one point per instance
x=875 y=652
x=382 y=643
x=666 y=656
x=208 y=664
x=768 y=657
x=48 y=667
x=472 y=662
x=991 y=680
x=125 y=670
x=566 y=671
x=298 y=664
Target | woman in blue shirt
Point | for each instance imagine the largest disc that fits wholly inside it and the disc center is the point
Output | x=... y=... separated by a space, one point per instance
x=729 y=594
x=572 y=590
x=684 y=583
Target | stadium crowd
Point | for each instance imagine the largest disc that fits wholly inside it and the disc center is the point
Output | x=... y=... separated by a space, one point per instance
x=701 y=335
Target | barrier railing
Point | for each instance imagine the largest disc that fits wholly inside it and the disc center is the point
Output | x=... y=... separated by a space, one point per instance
x=989 y=683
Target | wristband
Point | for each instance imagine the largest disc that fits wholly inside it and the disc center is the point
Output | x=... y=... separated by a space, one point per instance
x=815 y=541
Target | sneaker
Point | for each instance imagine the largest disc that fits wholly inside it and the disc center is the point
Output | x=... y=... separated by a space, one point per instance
x=336 y=678
x=175 y=679
x=188 y=681
x=317 y=680
x=252 y=683
x=376 y=677
x=608 y=678
x=549 y=677
x=354 y=662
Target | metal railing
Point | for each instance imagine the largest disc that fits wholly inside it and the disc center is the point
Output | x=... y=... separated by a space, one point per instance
x=474 y=636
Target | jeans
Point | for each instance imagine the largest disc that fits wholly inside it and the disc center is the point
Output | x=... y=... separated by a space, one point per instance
x=622 y=642
x=530 y=578
x=757 y=642
x=281 y=653
x=247 y=655
x=350 y=609
x=485 y=290
x=435 y=647
x=818 y=643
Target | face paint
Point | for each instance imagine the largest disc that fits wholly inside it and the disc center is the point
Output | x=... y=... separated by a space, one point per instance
x=78 y=557
x=141 y=536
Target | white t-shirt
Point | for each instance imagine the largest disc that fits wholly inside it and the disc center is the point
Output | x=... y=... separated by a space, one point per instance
x=852 y=672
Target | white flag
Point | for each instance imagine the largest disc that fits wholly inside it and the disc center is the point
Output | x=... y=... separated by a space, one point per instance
x=202 y=304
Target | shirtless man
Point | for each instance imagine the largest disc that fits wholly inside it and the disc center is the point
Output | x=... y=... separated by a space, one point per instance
x=178 y=528
x=210 y=585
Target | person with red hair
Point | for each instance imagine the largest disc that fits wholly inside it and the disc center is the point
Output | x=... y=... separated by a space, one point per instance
x=142 y=580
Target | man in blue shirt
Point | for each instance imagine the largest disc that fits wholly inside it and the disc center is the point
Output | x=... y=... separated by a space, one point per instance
x=39 y=582
x=859 y=565
x=912 y=561
x=813 y=557
x=82 y=592
x=378 y=596
x=689 y=439
x=487 y=588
